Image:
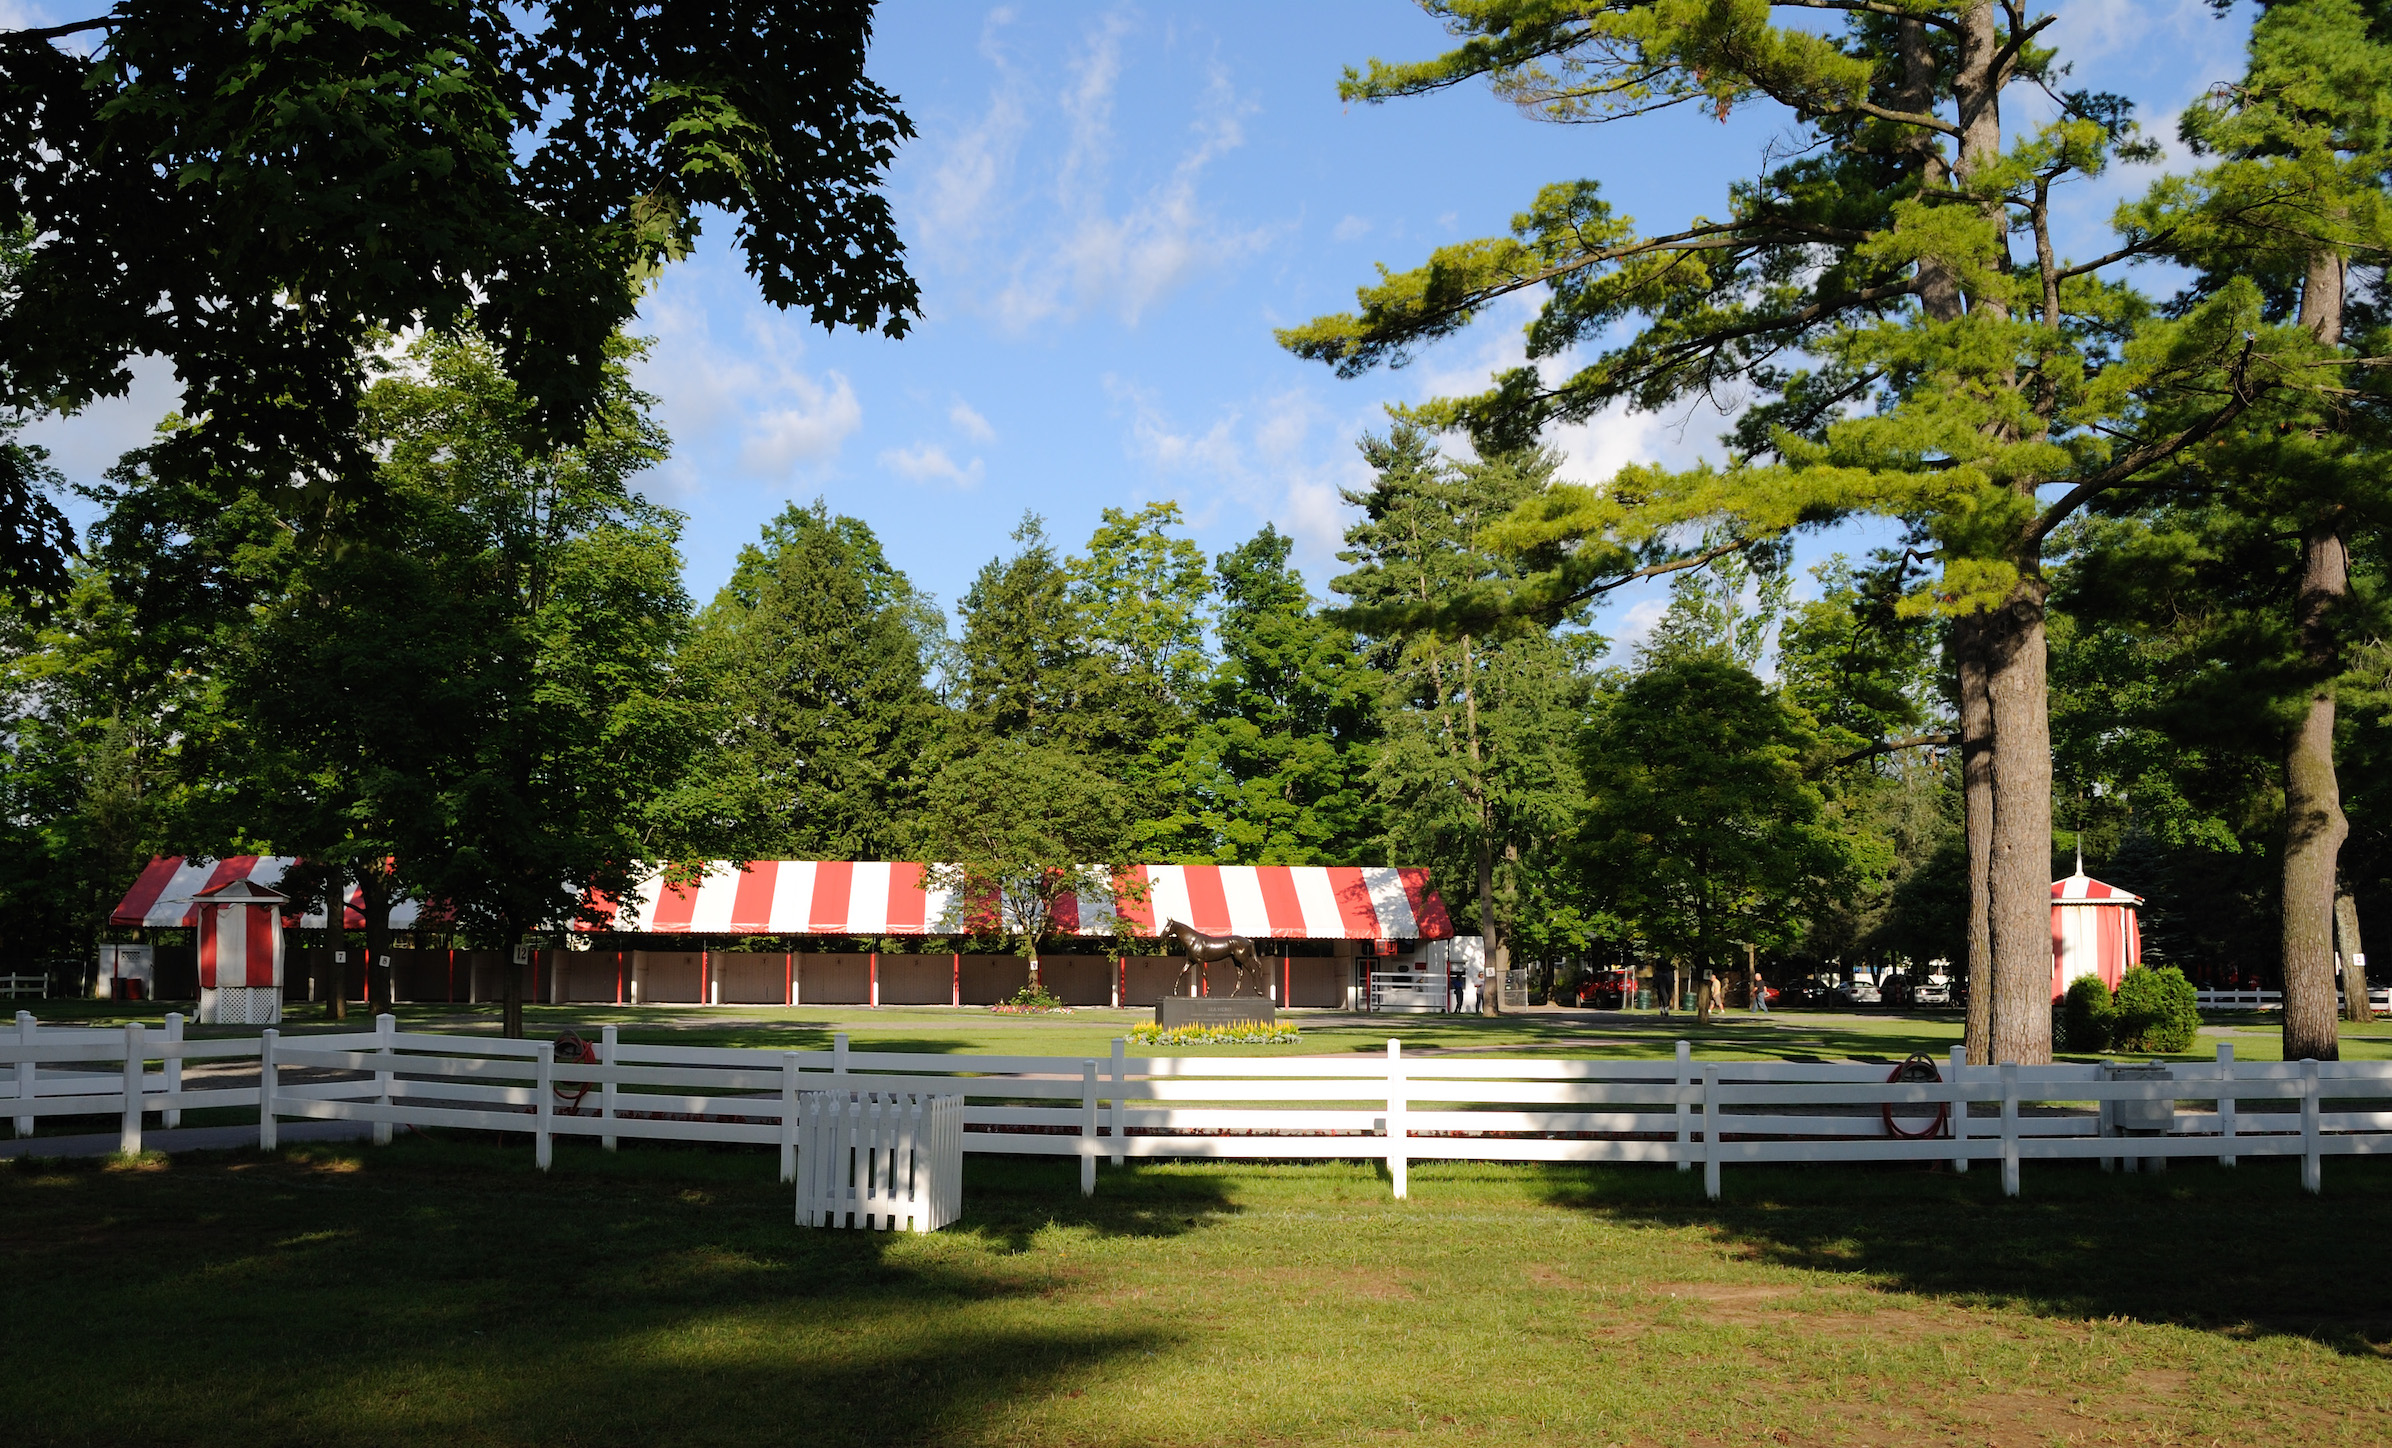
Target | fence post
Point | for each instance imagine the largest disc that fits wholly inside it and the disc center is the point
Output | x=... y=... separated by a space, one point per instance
x=2225 y=1103
x=543 y=1143
x=1120 y=1074
x=1685 y=1115
x=266 y=1083
x=606 y=1091
x=788 y=1116
x=2009 y=1128
x=26 y=1026
x=1088 y=1128
x=172 y=1116
x=1710 y=1131
x=129 y=1135
x=386 y=1030
x=1960 y=1107
x=1398 y=1162
x=839 y=1054
x=2312 y=1166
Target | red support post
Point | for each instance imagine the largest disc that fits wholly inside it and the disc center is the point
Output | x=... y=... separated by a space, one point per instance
x=876 y=980
x=788 y=978
x=956 y=990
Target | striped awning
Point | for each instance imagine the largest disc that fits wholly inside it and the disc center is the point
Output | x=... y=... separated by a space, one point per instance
x=2082 y=889
x=842 y=897
x=163 y=894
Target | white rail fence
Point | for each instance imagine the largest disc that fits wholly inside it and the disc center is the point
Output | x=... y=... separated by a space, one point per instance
x=1395 y=1109
x=2378 y=997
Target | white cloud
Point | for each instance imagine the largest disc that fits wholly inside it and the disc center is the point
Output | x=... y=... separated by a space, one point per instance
x=967 y=184
x=810 y=430
x=928 y=462
x=1636 y=625
x=2087 y=31
x=1282 y=457
x=1352 y=228
x=1032 y=248
x=970 y=423
x=776 y=414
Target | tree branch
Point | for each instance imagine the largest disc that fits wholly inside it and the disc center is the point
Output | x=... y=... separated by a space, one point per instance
x=1656 y=570
x=48 y=33
x=2121 y=254
x=1895 y=746
x=2017 y=42
x=1873 y=7
x=2141 y=458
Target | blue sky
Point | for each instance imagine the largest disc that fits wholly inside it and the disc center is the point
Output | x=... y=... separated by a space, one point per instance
x=1109 y=207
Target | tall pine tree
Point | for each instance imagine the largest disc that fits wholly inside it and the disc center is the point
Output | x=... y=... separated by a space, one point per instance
x=1866 y=293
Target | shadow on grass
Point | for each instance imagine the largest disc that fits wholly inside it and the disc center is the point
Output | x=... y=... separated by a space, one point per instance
x=2242 y=1252
x=440 y=1291
x=1008 y=1201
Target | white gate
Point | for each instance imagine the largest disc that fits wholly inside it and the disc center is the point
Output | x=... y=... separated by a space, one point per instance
x=886 y=1159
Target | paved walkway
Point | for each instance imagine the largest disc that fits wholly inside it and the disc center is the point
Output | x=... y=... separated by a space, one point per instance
x=183 y=1138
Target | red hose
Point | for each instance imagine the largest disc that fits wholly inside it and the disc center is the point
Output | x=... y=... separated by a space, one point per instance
x=571 y=1047
x=1917 y=1068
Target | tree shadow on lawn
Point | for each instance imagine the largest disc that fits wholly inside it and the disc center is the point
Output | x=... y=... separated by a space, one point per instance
x=439 y=1290
x=2241 y=1252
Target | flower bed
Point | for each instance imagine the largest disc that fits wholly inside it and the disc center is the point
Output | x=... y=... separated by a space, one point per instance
x=1030 y=1001
x=1243 y=1033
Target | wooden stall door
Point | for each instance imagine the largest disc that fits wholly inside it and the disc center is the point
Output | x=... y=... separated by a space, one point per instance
x=990 y=979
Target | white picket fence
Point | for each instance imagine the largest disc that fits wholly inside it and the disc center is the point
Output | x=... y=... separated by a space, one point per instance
x=1390 y=1108
x=887 y=1159
x=2379 y=997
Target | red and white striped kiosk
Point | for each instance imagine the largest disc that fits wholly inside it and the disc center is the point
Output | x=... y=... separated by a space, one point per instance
x=2093 y=931
x=240 y=953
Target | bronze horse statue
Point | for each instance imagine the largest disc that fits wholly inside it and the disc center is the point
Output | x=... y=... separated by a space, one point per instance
x=1200 y=948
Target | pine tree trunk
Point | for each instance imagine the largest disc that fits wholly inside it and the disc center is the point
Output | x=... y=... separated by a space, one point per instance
x=510 y=990
x=2019 y=913
x=2313 y=824
x=1976 y=783
x=2353 y=952
x=1499 y=955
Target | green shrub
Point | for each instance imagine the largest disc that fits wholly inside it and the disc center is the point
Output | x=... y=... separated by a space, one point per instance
x=2156 y=1011
x=2088 y=1015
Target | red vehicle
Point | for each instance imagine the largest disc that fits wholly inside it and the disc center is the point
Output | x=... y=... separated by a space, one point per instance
x=1609 y=990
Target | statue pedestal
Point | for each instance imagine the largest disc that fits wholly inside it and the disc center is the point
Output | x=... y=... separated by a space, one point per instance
x=1173 y=1012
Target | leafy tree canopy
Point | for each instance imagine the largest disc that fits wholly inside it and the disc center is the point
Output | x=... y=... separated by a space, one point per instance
x=254 y=191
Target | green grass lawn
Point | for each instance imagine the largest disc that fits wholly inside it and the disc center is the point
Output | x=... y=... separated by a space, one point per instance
x=442 y=1292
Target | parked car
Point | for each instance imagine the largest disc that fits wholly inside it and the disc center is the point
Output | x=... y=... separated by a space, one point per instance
x=1803 y=993
x=1608 y=990
x=1896 y=990
x=1854 y=993
x=1935 y=990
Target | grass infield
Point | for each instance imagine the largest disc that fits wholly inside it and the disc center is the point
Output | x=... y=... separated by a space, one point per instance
x=440 y=1291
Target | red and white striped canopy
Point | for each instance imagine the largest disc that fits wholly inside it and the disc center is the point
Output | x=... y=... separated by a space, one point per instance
x=163 y=894
x=841 y=897
x=2082 y=889
x=2093 y=931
